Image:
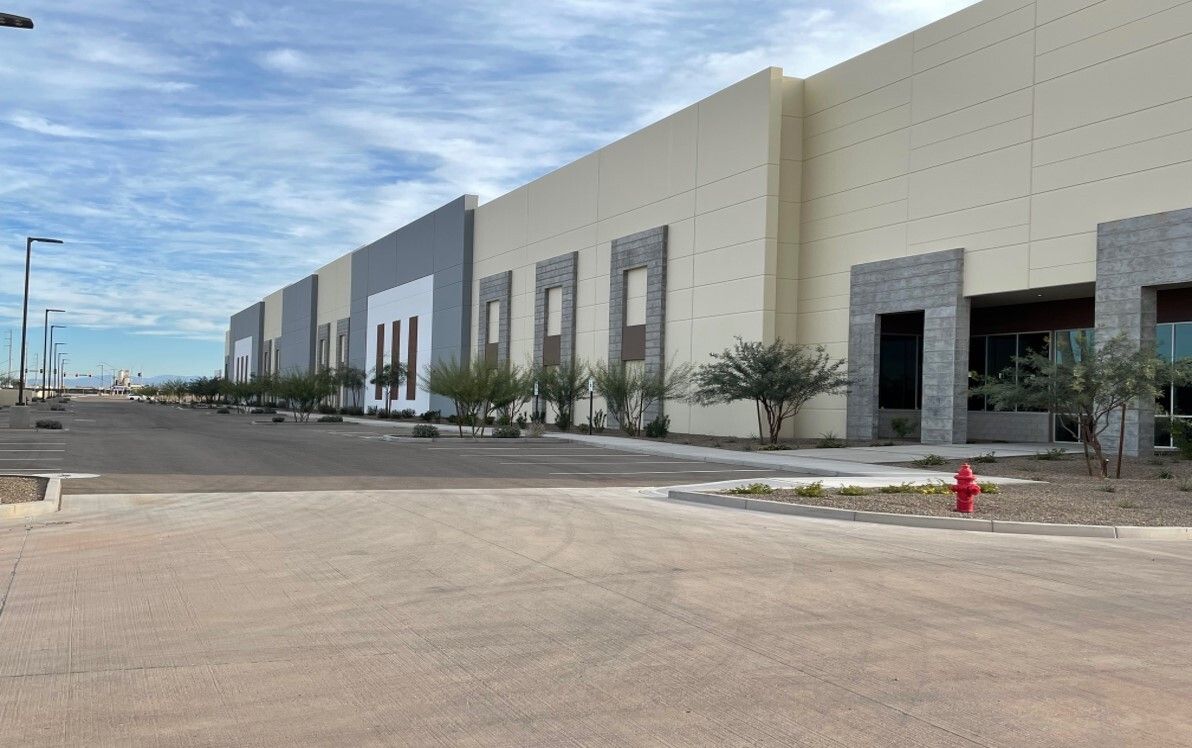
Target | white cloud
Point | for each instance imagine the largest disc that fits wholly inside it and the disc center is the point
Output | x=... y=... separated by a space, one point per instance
x=289 y=61
x=41 y=125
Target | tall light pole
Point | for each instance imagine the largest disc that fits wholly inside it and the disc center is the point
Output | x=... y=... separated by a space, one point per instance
x=25 y=308
x=62 y=360
x=14 y=21
x=45 y=359
x=101 y=365
x=54 y=374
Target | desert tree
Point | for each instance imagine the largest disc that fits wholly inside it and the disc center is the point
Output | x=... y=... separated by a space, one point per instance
x=631 y=390
x=390 y=377
x=561 y=386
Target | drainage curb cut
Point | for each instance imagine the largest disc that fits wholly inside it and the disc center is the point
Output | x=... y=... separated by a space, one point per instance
x=938 y=523
x=48 y=505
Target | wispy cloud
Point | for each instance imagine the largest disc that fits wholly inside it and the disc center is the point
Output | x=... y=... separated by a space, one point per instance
x=196 y=160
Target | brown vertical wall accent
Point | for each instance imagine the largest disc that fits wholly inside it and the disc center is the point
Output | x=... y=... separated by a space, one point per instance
x=380 y=359
x=395 y=354
x=412 y=361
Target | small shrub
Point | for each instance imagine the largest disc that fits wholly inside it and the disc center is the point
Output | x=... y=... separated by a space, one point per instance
x=902 y=427
x=352 y=411
x=830 y=441
x=658 y=428
x=223 y=411
x=1051 y=455
x=371 y=410
x=931 y=460
x=506 y=432
x=326 y=409
x=563 y=420
x=279 y=419
x=382 y=412
x=811 y=490
x=430 y=415
x=897 y=488
x=752 y=489
x=933 y=489
x=1107 y=487
x=536 y=430
x=1181 y=436
x=1166 y=475
x=47 y=423
x=598 y=421
x=987 y=488
x=57 y=407
x=405 y=413
x=331 y=419
x=425 y=431
x=521 y=420
x=986 y=458
x=772 y=447
x=851 y=491
x=1128 y=504
x=1186 y=485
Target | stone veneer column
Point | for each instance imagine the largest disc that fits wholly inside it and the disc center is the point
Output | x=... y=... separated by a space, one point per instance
x=562 y=272
x=934 y=284
x=497 y=288
x=644 y=249
x=1135 y=257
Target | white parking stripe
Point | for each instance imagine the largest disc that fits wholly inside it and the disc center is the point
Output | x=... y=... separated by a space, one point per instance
x=31 y=459
x=605 y=464
x=32 y=450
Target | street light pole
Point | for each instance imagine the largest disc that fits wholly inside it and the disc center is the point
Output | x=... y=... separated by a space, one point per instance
x=46 y=377
x=25 y=308
x=54 y=374
x=62 y=360
x=45 y=352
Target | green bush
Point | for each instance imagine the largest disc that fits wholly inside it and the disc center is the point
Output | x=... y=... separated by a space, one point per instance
x=331 y=419
x=933 y=489
x=985 y=458
x=989 y=488
x=1051 y=455
x=426 y=431
x=1181 y=434
x=752 y=489
x=658 y=428
x=47 y=423
x=352 y=411
x=431 y=415
x=811 y=490
x=902 y=427
x=830 y=441
x=506 y=432
x=405 y=413
x=382 y=412
x=898 y=488
x=851 y=491
x=1166 y=475
x=536 y=430
x=279 y=419
x=931 y=460
x=326 y=409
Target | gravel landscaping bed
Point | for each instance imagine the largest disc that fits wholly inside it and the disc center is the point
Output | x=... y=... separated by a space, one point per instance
x=1069 y=496
x=21 y=490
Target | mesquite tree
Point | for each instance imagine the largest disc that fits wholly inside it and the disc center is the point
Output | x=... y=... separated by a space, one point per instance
x=629 y=391
x=778 y=377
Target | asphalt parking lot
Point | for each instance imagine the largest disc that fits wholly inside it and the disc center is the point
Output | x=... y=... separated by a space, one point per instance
x=132 y=447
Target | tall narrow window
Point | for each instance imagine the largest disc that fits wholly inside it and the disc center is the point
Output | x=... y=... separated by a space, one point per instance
x=395 y=352
x=412 y=361
x=552 y=338
x=633 y=333
x=492 y=339
x=380 y=362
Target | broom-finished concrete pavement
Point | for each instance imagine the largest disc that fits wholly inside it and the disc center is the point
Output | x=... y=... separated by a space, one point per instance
x=565 y=615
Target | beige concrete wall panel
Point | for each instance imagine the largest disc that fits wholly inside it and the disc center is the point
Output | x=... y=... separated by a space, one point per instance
x=965 y=21
x=578 y=240
x=989 y=178
x=1085 y=272
x=1076 y=209
x=872 y=71
x=792 y=138
x=736 y=127
x=334 y=291
x=966 y=223
x=882 y=123
x=563 y=200
x=500 y=225
x=1064 y=250
x=985 y=74
x=716 y=333
x=992 y=138
x=792 y=96
x=858 y=220
x=649 y=165
x=867 y=196
x=664 y=212
x=789 y=221
x=841 y=253
x=996 y=270
x=871 y=161
x=1143 y=79
x=1156 y=27
x=872 y=104
x=1128 y=129
x=734 y=190
x=973 y=119
x=679 y=304
x=975 y=242
x=728 y=298
x=744 y=260
x=1096 y=19
x=272 y=316
x=823 y=304
x=822 y=328
x=1052 y=10
x=1115 y=162
x=735 y=224
x=999 y=29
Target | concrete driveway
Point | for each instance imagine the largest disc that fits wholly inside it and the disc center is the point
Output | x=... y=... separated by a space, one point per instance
x=575 y=616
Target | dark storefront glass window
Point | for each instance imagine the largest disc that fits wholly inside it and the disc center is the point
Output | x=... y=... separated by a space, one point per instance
x=976 y=371
x=899 y=376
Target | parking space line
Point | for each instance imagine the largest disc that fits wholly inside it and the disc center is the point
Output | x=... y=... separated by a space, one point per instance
x=31 y=459
x=673 y=472
x=32 y=450
x=605 y=464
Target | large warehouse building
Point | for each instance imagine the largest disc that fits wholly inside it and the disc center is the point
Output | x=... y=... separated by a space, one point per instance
x=991 y=183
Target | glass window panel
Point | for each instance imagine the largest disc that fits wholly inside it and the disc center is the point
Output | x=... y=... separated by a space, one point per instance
x=1164 y=337
x=976 y=370
x=1033 y=342
x=1071 y=344
x=1162 y=432
x=898 y=372
x=1183 y=341
x=1001 y=352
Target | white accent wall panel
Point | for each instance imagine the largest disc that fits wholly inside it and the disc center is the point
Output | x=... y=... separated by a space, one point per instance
x=241 y=359
x=400 y=303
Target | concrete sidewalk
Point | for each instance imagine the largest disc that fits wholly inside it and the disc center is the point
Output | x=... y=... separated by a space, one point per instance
x=854 y=461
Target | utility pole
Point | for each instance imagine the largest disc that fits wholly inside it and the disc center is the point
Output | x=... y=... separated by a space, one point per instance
x=8 y=371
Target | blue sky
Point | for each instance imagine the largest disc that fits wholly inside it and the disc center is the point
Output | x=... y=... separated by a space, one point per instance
x=197 y=155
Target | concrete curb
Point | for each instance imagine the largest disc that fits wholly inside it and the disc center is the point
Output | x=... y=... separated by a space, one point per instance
x=936 y=523
x=48 y=505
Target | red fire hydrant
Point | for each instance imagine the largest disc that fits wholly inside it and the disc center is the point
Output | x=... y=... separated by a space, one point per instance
x=966 y=489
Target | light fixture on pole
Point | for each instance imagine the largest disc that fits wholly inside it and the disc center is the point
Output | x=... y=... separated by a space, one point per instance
x=29 y=240
x=46 y=378
x=14 y=21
